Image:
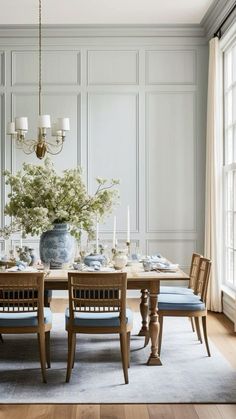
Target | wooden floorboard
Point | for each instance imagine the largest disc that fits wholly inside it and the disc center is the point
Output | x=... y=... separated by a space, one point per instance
x=221 y=333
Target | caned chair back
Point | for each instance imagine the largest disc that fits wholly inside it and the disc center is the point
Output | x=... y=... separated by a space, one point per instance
x=22 y=292
x=97 y=293
x=203 y=278
x=194 y=269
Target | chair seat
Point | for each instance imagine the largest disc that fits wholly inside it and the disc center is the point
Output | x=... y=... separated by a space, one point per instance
x=180 y=302
x=175 y=290
x=24 y=319
x=99 y=319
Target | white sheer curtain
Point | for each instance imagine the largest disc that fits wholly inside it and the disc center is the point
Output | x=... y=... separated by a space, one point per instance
x=213 y=206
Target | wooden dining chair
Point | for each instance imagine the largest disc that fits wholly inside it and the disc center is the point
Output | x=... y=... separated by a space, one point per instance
x=194 y=306
x=97 y=305
x=194 y=269
x=22 y=310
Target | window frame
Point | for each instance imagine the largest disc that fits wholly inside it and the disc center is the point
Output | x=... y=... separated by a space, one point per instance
x=227 y=44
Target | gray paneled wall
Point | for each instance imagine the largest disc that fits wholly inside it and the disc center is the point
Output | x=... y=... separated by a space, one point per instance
x=137 y=107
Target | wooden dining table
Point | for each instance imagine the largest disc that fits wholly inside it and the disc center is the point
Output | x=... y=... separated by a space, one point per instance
x=137 y=279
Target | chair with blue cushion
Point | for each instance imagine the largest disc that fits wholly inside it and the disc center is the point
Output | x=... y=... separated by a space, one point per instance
x=176 y=305
x=22 y=310
x=97 y=305
x=191 y=289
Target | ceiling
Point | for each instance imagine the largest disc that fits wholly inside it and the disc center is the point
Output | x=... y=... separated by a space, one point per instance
x=104 y=11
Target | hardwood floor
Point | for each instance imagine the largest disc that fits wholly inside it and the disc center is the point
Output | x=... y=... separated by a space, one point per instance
x=220 y=331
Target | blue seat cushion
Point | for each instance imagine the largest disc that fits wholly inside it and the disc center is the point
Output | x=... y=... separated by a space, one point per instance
x=99 y=319
x=27 y=319
x=175 y=290
x=180 y=302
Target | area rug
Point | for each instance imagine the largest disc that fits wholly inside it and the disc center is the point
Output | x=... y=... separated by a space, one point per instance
x=187 y=374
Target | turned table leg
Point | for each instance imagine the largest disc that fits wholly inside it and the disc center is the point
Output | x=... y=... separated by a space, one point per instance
x=144 y=312
x=154 y=326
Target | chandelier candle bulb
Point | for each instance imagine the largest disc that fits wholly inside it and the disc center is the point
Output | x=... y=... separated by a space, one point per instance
x=44 y=121
x=21 y=123
x=114 y=233
x=63 y=124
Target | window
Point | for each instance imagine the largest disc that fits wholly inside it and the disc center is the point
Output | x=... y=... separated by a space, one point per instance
x=230 y=164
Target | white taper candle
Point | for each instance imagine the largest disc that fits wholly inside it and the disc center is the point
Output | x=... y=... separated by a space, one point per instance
x=97 y=232
x=128 y=224
x=114 y=233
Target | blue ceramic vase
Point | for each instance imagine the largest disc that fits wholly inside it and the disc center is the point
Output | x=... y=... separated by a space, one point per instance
x=57 y=246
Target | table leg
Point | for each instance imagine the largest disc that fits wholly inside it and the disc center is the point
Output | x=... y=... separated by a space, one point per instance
x=144 y=312
x=154 y=327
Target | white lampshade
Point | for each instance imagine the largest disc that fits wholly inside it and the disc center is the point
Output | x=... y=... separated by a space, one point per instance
x=63 y=124
x=21 y=123
x=55 y=131
x=11 y=128
x=44 y=121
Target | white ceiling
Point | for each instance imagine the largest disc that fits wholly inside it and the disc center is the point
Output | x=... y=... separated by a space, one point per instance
x=104 y=11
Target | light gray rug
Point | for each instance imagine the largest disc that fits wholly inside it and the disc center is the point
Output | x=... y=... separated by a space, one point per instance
x=187 y=374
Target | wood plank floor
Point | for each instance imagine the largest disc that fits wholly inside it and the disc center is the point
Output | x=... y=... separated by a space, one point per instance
x=220 y=331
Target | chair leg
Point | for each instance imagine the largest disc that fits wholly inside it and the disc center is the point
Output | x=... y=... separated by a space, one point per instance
x=192 y=324
x=48 y=354
x=74 y=349
x=160 y=334
x=204 y=325
x=71 y=338
x=42 y=354
x=147 y=338
x=1 y=339
x=128 y=348
x=197 y=325
x=124 y=355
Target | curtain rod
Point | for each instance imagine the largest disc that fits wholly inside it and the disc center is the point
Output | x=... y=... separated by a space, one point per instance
x=218 y=32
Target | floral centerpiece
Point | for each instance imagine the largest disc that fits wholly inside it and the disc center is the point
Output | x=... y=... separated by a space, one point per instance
x=40 y=198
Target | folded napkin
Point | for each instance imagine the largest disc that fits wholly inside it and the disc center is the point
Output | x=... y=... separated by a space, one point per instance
x=81 y=267
x=166 y=266
x=21 y=267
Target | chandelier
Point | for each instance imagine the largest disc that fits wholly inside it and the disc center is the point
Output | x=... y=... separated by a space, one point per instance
x=17 y=129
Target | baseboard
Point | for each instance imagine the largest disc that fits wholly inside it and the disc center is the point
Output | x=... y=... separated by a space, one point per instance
x=229 y=306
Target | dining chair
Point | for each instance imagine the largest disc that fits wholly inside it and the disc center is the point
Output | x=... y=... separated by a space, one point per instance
x=97 y=305
x=22 y=310
x=194 y=269
x=175 y=305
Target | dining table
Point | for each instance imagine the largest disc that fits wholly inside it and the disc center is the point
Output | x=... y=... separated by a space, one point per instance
x=137 y=279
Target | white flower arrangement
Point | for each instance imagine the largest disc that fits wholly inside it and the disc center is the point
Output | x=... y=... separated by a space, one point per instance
x=39 y=198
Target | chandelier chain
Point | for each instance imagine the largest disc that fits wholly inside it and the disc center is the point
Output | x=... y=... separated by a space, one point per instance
x=40 y=55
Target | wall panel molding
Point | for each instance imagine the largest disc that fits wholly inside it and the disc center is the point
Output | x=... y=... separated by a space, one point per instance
x=157 y=155
x=112 y=67
x=170 y=67
x=60 y=67
x=115 y=152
